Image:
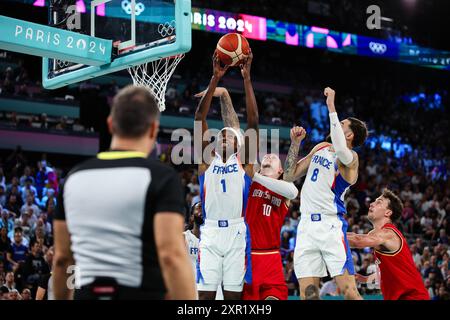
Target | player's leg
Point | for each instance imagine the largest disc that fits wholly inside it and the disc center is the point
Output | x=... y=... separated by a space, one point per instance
x=347 y=286
x=274 y=292
x=273 y=284
x=309 y=288
x=209 y=266
x=234 y=262
x=338 y=257
x=309 y=266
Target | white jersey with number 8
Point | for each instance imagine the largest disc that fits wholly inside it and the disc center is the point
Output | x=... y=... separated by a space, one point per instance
x=324 y=188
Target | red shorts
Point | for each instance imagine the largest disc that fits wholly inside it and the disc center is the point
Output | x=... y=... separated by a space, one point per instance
x=267 y=277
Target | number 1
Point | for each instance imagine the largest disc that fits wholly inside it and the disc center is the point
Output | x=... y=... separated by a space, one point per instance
x=224 y=187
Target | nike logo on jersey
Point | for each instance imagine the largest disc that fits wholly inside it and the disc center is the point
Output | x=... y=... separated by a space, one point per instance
x=225 y=169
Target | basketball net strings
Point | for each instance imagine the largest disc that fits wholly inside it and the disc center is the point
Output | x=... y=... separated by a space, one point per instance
x=155 y=75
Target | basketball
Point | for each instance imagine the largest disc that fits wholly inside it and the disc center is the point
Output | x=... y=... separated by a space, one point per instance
x=232 y=48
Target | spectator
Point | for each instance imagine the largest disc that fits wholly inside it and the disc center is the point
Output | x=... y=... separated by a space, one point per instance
x=13 y=204
x=3 y=197
x=443 y=238
x=26 y=294
x=5 y=243
x=9 y=281
x=41 y=176
x=26 y=175
x=45 y=287
x=14 y=295
x=28 y=190
x=442 y=294
x=294 y=219
x=4 y=293
x=43 y=223
x=7 y=222
x=35 y=265
x=287 y=227
x=31 y=208
x=26 y=223
x=18 y=251
x=49 y=195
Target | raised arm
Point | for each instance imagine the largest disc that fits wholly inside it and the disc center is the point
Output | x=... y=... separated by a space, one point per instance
x=344 y=154
x=229 y=115
x=250 y=100
x=292 y=170
x=205 y=102
x=252 y=116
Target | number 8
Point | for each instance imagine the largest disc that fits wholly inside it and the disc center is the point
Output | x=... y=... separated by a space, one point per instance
x=314 y=175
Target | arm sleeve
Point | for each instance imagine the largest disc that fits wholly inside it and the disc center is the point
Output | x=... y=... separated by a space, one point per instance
x=343 y=153
x=60 y=213
x=286 y=189
x=170 y=196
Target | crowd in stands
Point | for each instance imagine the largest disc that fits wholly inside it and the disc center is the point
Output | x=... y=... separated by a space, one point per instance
x=27 y=205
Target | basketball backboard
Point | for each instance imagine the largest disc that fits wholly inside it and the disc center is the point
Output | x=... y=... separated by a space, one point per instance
x=141 y=31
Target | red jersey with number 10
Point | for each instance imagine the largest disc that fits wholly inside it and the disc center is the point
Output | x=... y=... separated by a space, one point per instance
x=265 y=215
x=400 y=279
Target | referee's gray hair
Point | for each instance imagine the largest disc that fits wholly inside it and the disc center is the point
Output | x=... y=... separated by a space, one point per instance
x=133 y=110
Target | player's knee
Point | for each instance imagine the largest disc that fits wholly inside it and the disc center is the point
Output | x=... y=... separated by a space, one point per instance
x=311 y=292
x=271 y=298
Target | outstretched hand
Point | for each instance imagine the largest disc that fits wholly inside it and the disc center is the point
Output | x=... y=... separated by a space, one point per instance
x=297 y=134
x=330 y=94
x=218 y=70
x=246 y=66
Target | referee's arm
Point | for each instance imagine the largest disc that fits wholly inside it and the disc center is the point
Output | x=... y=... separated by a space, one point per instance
x=170 y=244
x=63 y=258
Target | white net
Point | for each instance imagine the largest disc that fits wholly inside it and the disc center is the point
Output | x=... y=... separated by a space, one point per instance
x=155 y=75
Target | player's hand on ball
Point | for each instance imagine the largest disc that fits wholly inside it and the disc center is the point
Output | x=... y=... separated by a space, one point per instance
x=217 y=93
x=297 y=134
x=218 y=70
x=329 y=93
x=246 y=66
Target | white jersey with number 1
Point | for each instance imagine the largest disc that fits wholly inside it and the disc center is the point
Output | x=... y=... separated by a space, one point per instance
x=224 y=239
x=224 y=189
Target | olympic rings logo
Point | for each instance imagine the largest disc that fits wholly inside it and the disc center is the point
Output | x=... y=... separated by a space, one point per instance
x=138 y=7
x=378 y=48
x=166 y=29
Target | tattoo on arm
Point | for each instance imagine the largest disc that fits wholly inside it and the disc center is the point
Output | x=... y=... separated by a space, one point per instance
x=291 y=162
x=229 y=116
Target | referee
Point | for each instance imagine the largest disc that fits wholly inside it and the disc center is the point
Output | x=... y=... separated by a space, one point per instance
x=120 y=216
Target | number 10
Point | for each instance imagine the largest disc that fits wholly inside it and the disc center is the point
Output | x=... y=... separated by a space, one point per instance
x=267 y=209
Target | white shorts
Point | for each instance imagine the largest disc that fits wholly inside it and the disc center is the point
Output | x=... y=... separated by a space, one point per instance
x=322 y=244
x=222 y=256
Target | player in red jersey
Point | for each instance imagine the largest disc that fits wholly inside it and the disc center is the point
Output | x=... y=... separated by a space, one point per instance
x=267 y=207
x=400 y=279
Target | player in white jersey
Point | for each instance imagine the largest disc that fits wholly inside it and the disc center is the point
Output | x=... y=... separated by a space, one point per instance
x=192 y=239
x=224 y=186
x=330 y=169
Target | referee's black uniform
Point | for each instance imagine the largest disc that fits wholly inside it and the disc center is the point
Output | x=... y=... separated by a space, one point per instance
x=109 y=203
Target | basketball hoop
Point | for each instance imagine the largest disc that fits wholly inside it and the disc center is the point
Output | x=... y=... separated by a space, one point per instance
x=155 y=75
